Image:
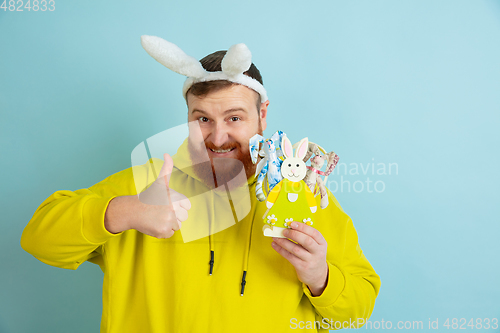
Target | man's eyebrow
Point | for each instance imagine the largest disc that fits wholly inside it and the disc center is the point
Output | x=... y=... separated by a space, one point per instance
x=225 y=112
x=199 y=111
x=234 y=110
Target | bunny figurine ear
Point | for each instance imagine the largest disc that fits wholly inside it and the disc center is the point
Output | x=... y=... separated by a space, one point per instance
x=333 y=159
x=254 y=148
x=287 y=147
x=302 y=149
x=172 y=57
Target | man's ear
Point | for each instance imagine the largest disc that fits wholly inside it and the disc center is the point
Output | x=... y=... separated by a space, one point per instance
x=263 y=114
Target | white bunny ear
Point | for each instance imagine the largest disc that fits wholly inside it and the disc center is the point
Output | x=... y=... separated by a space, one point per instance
x=237 y=60
x=172 y=57
x=287 y=147
x=302 y=149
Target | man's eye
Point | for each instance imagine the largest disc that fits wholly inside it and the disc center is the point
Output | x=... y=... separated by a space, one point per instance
x=235 y=118
x=203 y=119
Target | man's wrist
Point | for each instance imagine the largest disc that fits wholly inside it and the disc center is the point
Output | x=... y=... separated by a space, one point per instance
x=317 y=289
x=118 y=214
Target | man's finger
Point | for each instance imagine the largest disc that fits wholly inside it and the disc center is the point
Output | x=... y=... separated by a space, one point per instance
x=186 y=204
x=298 y=228
x=169 y=199
x=292 y=259
x=180 y=199
x=295 y=249
x=180 y=213
x=304 y=240
x=166 y=169
x=176 y=226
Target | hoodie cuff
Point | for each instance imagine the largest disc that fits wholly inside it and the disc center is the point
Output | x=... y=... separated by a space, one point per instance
x=93 y=228
x=334 y=287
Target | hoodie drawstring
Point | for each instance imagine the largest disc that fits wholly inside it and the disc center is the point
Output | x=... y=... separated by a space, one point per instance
x=210 y=229
x=246 y=255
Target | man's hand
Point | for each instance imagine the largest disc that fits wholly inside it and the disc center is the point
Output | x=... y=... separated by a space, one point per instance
x=159 y=211
x=308 y=256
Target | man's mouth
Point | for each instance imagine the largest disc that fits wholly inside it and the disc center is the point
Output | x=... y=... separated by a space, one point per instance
x=222 y=151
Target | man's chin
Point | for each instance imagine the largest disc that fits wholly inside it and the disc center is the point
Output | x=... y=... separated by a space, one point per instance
x=230 y=171
x=223 y=171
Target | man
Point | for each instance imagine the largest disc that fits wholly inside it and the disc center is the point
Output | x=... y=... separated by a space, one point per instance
x=228 y=277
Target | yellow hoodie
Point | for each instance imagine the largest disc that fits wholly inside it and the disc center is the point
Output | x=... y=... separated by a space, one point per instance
x=164 y=285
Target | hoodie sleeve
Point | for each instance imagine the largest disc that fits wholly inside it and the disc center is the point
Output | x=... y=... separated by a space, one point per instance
x=68 y=227
x=352 y=285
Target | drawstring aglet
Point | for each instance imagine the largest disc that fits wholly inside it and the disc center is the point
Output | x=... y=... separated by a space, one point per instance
x=243 y=282
x=211 y=262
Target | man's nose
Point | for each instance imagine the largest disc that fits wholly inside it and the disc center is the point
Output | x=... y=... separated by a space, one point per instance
x=219 y=135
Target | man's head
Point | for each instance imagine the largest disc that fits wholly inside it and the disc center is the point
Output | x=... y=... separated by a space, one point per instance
x=222 y=93
x=228 y=113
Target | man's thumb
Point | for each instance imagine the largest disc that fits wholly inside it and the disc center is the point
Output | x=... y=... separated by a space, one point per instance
x=166 y=169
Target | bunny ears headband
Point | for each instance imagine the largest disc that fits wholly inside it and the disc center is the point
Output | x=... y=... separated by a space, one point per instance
x=237 y=60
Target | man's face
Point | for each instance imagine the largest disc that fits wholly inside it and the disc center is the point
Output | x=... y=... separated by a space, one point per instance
x=228 y=118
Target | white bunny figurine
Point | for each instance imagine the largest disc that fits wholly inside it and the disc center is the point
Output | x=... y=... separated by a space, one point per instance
x=291 y=199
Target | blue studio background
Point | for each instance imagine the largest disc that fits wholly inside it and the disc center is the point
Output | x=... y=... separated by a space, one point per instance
x=407 y=93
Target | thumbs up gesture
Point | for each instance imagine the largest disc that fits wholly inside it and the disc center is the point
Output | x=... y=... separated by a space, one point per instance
x=165 y=208
x=158 y=211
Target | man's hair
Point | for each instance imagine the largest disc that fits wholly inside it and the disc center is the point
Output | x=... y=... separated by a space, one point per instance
x=212 y=63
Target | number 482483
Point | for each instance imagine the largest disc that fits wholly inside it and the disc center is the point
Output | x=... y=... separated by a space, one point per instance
x=35 y=5
x=479 y=323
